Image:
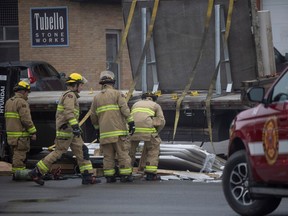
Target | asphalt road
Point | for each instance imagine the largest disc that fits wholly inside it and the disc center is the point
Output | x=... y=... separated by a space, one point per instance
x=69 y=197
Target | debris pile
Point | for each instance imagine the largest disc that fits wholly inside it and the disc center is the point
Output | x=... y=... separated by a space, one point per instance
x=178 y=161
x=189 y=157
x=187 y=175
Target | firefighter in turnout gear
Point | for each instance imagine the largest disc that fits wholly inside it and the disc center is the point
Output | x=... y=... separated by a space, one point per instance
x=149 y=121
x=110 y=115
x=20 y=128
x=68 y=134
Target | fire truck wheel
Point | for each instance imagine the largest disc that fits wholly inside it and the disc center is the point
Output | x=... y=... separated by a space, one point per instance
x=235 y=183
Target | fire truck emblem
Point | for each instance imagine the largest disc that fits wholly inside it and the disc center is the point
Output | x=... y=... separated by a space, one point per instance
x=270 y=140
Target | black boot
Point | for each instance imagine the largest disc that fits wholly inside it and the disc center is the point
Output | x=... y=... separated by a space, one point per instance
x=88 y=178
x=110 y=179
x=126 y=178
x=36 y=176
x=152 y=177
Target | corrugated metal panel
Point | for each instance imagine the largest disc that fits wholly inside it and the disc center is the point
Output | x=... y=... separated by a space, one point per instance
x=177 y=36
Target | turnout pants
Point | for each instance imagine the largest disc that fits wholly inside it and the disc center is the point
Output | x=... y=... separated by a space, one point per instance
x=150 y=154
x=19 y=152
x=61 y=147
x=121 y=149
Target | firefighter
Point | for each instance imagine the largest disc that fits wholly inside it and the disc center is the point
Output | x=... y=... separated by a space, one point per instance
x=68 y=134
x=110 y=115
x=20 y=128
x=149 y=121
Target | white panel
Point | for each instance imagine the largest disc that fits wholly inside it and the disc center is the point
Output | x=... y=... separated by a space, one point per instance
x=279 y=20
x=274 y=2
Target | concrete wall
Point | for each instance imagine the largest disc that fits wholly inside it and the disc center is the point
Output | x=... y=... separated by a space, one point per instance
x=86 y=53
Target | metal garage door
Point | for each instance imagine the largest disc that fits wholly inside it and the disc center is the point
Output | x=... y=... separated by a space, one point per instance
x=279 y=19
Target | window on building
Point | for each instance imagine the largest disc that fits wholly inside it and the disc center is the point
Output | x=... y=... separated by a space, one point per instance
x=112 y=46
x=1 y=34
x=9 y=36
x=9 y=21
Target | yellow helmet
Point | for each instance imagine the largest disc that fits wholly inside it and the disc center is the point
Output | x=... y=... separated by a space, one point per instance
x=22 y=85
x=75 y=78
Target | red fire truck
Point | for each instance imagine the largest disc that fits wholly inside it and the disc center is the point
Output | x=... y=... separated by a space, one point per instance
x=255 y=178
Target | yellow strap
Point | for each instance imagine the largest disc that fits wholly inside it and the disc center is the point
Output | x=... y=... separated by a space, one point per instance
x=85 y=117
x=125 y=34
x=119 y=54
x=208 y=103
x=229 y=18
x=188 y=86
x=146 y=46
x=214 y=77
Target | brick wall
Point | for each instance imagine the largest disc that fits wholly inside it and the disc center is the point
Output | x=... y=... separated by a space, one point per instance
x=86 y=53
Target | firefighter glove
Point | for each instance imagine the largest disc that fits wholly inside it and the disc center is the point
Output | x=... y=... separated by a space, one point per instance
x=76 y=130
x=131 y=127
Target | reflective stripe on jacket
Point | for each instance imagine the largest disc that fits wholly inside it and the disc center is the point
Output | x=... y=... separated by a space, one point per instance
x=18 y=117
x=110 y=111
x=149 y=119
x=67 y=114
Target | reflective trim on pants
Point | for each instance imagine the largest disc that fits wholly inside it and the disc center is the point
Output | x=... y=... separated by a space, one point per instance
x=109 y=172
x=151 y=169
x=125 y=171
x=85 y=167
x=14 y=169
x=42 y=167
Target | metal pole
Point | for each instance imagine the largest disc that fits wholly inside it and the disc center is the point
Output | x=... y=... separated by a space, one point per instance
x=152 y=62
x=266 y=42
x=226 y=52
x=217 y=47
x=144 y=67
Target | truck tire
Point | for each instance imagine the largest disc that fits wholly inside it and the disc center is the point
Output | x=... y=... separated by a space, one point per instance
x=235 y=184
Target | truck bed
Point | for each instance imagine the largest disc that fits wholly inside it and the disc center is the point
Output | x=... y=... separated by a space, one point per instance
x=47 y=100
x=192 y=121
